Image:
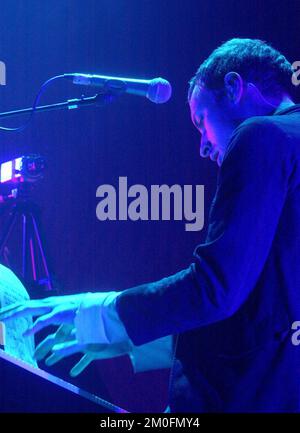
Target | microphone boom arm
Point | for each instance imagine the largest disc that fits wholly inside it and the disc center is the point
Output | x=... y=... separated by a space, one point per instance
x=99 y=99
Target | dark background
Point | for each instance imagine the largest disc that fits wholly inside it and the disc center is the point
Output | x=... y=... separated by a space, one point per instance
x=148 y=143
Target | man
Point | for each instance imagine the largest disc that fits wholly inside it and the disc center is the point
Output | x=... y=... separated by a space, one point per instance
x=233 y=308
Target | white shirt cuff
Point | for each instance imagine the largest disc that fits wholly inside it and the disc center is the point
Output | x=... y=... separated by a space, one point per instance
x=97 y=320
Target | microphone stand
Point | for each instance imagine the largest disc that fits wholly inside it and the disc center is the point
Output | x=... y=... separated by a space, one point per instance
x=100 y=99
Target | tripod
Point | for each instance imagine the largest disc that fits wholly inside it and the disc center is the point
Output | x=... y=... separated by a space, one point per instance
x=34 y=268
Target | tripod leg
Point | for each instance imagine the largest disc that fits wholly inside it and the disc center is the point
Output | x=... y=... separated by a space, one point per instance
x=32 y=258
x=42 y=253
x=24 y=243
x=7 y=232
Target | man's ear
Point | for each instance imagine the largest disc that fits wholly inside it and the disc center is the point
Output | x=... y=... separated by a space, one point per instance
x=233 y=83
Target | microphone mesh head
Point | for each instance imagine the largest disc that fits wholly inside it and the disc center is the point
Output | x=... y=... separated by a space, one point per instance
x=159 y=91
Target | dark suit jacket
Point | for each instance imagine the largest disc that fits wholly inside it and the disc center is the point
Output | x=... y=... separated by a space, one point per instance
x=233 y=308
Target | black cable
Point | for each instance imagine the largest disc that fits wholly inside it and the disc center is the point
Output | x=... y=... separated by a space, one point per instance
x=35 y=103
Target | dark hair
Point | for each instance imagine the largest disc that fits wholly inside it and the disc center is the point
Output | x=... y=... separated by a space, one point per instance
x=253 y=59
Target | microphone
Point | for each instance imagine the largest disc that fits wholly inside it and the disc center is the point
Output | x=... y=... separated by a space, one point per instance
x=157 y=90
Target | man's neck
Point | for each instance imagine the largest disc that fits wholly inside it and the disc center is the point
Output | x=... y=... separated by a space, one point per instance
x=286 y=102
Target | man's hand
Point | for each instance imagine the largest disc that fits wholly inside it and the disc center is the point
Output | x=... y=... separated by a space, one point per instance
x=88 y=323
x=55 y=310
x=63 y=343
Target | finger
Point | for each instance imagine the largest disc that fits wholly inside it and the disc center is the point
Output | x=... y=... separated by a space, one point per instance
x=64 y=333
x=44 y=347
x=81 y=365
x=103 y=351
x=61 y=351
x=25 y=303
x=68 y=348
x=23 y=310
x=10 y=307
x=41 y=323
x=53 y=359
x=65 y=330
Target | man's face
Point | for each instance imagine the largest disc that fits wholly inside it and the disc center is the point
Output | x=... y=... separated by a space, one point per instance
x=213 y=120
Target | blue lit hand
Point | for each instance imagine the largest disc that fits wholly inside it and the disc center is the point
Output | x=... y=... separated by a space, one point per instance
x=55 y=310
x=63 y=343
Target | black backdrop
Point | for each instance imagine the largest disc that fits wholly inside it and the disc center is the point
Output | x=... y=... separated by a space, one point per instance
x=148 y=143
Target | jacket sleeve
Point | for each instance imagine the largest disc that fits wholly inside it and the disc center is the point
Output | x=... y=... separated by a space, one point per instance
x=252 y=186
